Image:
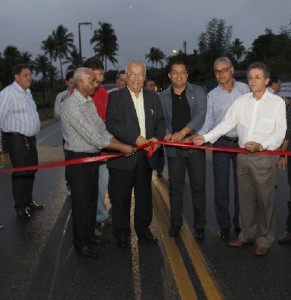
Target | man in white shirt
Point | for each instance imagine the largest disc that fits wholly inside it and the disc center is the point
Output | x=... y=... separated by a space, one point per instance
x=260 y=118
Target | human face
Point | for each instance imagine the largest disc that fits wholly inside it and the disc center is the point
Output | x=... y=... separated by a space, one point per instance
x=150 y=86
x=135 y=77
x=70 y=84
x=24 y=79
x=98 y=76
x=223 y=72
x=121 y=81
x=257 y=81
x=178 y=76
x=276 y=86
x=88 y=84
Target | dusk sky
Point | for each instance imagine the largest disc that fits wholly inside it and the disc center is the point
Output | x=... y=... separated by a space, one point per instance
x=139 y=24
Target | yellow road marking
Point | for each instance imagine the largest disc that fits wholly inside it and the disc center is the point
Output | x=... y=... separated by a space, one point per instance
x=208 y=283
x=180 y=273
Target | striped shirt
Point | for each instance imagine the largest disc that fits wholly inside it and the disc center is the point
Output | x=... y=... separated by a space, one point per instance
x=18 y=111
x=83 y=129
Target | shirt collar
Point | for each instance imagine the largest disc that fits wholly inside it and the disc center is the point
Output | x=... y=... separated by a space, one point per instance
x=133 y=94
x=81 y=97
x=19 y=89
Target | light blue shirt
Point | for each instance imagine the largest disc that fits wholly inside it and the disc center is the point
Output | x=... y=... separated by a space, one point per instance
x=18 y=111
x=218 y=102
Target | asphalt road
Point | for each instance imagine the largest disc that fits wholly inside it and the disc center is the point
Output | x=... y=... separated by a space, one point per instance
x=37 y=260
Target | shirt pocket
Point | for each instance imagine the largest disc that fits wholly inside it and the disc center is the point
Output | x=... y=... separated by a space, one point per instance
x=266 y=126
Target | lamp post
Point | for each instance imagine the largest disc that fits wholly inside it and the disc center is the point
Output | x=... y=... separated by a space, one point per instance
x=80 y=44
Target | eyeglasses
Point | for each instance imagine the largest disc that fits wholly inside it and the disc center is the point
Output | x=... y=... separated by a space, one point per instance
x=137 y=75
x=257 y=77
x=222 y=71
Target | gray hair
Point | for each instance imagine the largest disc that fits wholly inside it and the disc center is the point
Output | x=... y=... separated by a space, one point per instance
x=135 y=62
x=80 y=74
x=259 y=65
x=223 y=59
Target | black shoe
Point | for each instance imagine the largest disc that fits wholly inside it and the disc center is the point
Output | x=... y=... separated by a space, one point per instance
x=87 y=251
x=1 y=226
x=148 y=237
x=99 y=240
x=23 y=214
x=199 y=234
x=223 y=233
x=174 y=230
x=35 y=206
x=122 y=243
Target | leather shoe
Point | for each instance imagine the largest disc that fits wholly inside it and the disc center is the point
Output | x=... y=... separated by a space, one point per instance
x=99 y=240
x=223 y=233
x=261 y=251
x=23 y=214
x=237 y=243
x=35 y=206
x=1 y=226
x=199 y=234
x=174 y=230
x=148 y=237
x=87 y=251
x=285 y=238
x=122 y=243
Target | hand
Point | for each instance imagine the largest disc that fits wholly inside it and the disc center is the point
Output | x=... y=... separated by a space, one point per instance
x=177 y=137
x=190 y=138
x=252 y=146
x=282 y=163
x=140 y=140
x=127 y=149
x=156 y=145
x=199 y=140
x=168 y=137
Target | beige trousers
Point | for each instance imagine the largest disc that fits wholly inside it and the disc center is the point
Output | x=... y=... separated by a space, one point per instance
x=256 y=186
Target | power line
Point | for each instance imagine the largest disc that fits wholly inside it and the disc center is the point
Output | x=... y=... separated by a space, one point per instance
x=245 y=11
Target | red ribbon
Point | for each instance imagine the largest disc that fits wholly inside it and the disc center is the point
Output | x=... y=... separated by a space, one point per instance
x=150 y=151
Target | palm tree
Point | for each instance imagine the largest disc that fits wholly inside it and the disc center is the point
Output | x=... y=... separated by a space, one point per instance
x=25 y=58
x=73 y=60
x=106 y=45
x=42 y=65
x=155 y=56
x=64 y=43
x=49 y=46
x=11 y=57
x=237 y=49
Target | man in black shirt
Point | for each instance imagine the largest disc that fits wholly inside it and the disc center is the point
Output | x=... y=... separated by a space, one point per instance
x=184 y=106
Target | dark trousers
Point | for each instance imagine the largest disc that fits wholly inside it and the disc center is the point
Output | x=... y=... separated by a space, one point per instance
x=194 y=163
x=83 y=180
x=161 y=162
x=23 y=152
x=221 y=171
x=121 y=183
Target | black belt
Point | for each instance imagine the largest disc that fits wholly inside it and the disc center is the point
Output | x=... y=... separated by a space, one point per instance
x=18 y=134
x=230 y=139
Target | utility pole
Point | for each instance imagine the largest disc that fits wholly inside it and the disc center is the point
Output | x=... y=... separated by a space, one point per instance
x=80 y=44
x=184 y=46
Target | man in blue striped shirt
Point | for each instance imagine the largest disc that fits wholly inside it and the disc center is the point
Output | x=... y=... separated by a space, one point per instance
x=20 y=123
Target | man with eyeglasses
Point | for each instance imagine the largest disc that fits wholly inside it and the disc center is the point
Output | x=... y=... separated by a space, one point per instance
x=135 y=117
x=184 y=107
x=261 y=125
x=218 y=102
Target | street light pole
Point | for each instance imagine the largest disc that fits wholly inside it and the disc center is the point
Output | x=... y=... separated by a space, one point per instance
x=80 y=44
